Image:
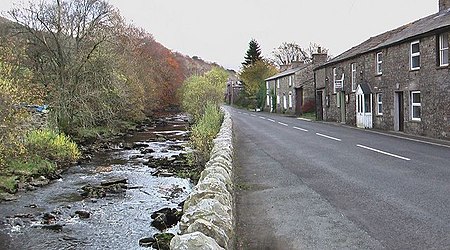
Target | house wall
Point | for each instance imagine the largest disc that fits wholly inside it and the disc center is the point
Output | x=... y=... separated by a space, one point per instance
x=432 y=81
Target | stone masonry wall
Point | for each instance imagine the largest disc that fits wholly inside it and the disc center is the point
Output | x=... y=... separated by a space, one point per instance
x=208 y=221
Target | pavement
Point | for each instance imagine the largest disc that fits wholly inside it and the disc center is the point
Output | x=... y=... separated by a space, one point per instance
x=312 y=185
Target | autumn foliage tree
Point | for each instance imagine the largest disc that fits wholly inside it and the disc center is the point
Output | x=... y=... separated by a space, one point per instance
x=253 y=80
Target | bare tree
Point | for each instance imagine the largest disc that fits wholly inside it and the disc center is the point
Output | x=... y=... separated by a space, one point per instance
x=66 y=37
x=287 y=53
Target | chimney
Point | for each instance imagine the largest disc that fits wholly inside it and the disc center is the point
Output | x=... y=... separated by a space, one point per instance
x=444 y=5
x=296 y=64
x=319 y=58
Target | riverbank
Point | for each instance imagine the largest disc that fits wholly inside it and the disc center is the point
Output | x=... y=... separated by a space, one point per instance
x=131 y=177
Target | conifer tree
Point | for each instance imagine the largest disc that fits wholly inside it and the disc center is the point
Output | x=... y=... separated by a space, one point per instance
x=253 y=54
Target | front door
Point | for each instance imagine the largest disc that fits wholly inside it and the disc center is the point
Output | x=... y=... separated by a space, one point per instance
x=319 y=106
x=342 y=105
x=298 y=101
x=363 y=108
x=399 y=112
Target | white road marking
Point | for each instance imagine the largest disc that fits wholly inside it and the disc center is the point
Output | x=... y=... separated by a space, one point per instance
x=284 y=124
x=271 y=120
x=245 y=113
x=302 y=129
x=383 y=152
x=262 y=117
x=329 y=137
x=253 y=115
x=304 y=119
x=239 y=112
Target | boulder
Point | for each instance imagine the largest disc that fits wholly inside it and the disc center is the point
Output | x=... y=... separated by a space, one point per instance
x=194 y=241
x=196 y=196
x=209 y=210
x=211 y=230
x=165 y=218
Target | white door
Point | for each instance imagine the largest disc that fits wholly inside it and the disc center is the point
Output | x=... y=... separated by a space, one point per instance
x=363 y=109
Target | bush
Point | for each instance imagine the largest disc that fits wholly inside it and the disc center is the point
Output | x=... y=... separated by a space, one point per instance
x=34 y=166
x=204 y=131
x=52 y=146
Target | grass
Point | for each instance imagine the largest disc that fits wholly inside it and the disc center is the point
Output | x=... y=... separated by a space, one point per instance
x=8 y=183
x=311 y=116
x=31 y=167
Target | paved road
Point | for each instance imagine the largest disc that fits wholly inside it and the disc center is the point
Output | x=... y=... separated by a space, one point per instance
x=308 y=185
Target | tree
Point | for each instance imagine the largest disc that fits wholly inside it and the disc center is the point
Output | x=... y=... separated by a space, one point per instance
x=287 y=53
x=253 y=80
x=198 y=91
x=253 y=54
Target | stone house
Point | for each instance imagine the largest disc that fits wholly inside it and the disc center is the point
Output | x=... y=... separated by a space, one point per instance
x=398 y=80
x=292 y=90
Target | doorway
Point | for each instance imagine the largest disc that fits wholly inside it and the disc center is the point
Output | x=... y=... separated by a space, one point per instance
x=319 y=105
x=298 y=101
x=399 y=118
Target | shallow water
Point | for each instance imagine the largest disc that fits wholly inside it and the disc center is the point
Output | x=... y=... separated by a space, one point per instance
x=116 y=221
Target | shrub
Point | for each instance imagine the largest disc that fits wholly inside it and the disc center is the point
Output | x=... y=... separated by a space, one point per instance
x=53 y=146
x=204 y=131
x=35 y=166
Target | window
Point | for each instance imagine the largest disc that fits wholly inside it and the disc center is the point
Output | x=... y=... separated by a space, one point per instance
x=334 y=80
x=415 y=106
x=379 y=63
x=379 y=104
x=415 y=55
x=290 y=81
x=443 y=50
x=353 y=66
x=268 y=100
x=290 y=99
x=278 y=83
x=278 y=99
x=284 y=101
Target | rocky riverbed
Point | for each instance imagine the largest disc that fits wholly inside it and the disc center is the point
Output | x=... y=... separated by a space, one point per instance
x=108 y=202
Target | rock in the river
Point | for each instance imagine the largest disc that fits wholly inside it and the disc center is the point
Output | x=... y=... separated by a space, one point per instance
x=166 y=218
x=147 y=242
x=56 y=226
x=147 y=151
x=162 y=241
x=39 y=182
x=137 y=145
x=48 y=218
x=114 y=181
x=83 y=214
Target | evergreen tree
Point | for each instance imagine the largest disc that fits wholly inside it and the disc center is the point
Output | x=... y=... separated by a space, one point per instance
x=253 y=54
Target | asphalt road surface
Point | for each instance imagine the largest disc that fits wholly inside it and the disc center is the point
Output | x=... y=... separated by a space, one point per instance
x=310 y=185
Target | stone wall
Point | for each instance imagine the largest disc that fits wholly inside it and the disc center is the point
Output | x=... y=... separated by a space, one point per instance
x=208 y=221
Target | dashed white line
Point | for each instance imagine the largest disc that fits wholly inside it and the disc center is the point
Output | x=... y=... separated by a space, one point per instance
x=253 y=115
x=329 y=137
x=383 y=152
x=271 y=120
x=284 y=124
x=239 y=112
x=262 y=117
x=245 y=113
x=301 y=129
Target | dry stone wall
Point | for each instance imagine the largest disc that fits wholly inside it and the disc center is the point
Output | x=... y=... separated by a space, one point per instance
x=207 y=223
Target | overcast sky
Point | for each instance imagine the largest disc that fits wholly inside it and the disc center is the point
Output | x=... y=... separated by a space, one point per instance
x=219 y=31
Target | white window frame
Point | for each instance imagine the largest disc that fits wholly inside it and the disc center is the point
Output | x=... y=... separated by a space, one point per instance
x=443 y=49
x=290 y=99
x=379 y=103
x=284 y=101
x=278 y=83
x=416 y=104
x=334 y=80
x=354 y=73
x=290 y=80
x=414 y=54
x=379 y=63
x=278 y=99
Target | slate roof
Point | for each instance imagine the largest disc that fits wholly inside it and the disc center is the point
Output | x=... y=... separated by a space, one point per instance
x=287 y=72
x=415 y=29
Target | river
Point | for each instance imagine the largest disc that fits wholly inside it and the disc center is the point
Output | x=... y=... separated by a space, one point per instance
x=53 y=217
